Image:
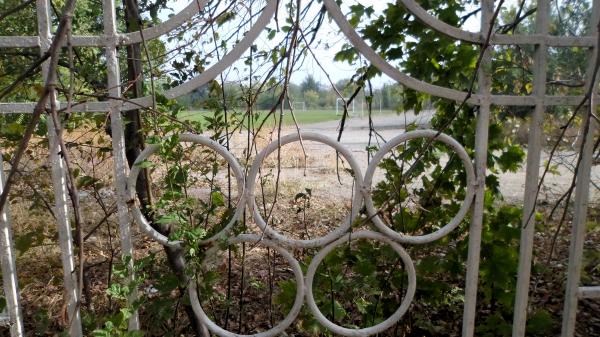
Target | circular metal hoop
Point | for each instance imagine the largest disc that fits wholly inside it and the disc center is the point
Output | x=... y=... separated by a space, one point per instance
x=356 y=40
x=356 y=201
x=141 y=220
x=410 y=292
x=466 y=204
x=286 y=322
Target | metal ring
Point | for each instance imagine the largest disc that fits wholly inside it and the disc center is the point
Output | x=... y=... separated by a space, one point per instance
x=466 y=204
x=141 y=220
x=410 y=291
x=363 y=48
x=286 y=322
x=218 y=68
x=356 y=202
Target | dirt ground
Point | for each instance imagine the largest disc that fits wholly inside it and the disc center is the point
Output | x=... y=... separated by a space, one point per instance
x=331 y=187
x=327 y=190
x=356 y=138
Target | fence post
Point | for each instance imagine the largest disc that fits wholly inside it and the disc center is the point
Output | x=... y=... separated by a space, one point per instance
x=9 y=269
x=118 y=144
x=60 y=189
x=481 y=150
x=534 y=151
x=582 y=192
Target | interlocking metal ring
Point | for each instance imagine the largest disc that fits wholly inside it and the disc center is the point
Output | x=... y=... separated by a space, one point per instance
x=410 y=291
x=466 y=204
x=141 y=220
x=356 y=202
x=281 y=326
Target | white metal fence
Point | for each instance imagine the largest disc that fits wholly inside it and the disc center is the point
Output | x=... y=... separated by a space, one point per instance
x=541 y=40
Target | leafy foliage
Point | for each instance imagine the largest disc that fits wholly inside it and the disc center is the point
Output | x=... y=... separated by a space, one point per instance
x=360 y=284
x=418 y=197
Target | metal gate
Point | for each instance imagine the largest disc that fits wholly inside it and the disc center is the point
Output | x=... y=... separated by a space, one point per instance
x=541 y=40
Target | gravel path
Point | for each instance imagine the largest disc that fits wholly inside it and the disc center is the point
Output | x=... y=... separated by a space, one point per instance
x=356 y=137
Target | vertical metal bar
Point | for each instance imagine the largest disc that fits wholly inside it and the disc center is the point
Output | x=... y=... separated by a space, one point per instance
x=481 y=150
x=9 y=267
x=582 y=191
x=65 y=236
x=118 y=143
x=534 y=151
x=60 y=189
x=578 y=232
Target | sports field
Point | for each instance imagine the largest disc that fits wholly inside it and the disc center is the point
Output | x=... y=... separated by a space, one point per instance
x=302 y=116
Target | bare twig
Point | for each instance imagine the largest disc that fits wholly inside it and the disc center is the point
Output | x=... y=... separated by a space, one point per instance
x=469 y=94
x=15 y=9
x=586 y=99
x=570 y=84
x=26 y=74
x=512 y=26
x=49 y=88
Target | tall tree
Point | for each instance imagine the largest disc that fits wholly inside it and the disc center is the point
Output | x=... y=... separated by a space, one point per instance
x=135 y=143
x=310 y=84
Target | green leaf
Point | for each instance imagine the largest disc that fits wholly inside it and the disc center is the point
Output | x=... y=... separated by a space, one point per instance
x=167 y=283
x=362 y=305
x=28 y=240
x=338 y=310
x=170 y=218
x=217 y=198
x=87 y=181
x=540 y=323
x=511 y=158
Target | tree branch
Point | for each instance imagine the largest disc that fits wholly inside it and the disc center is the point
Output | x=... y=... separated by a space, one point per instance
x=49 y=88
x=15 y=9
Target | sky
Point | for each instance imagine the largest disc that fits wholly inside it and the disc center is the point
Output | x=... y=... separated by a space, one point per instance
x=330 y=32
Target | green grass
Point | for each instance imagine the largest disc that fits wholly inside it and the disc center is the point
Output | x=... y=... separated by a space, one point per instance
x=302 y=117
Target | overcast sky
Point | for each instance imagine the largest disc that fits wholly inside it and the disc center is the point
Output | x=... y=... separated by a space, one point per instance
x=335 y=39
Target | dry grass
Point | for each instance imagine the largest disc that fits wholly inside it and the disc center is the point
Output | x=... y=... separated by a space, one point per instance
x=40 y=269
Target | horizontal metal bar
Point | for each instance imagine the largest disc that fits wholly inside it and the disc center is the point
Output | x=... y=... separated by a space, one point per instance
x=19 y=41
x=209 y=74
x=498 y=39
x=27 y=107
x=589 y=292
x=120 y=39
x=194 y=7
x=548 y=40
x=130 y=38
x=236 y=52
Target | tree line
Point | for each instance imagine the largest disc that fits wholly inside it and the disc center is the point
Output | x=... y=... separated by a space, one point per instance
x=309 y=94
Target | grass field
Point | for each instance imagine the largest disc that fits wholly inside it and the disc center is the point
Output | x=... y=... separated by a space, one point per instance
x=302 y=117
